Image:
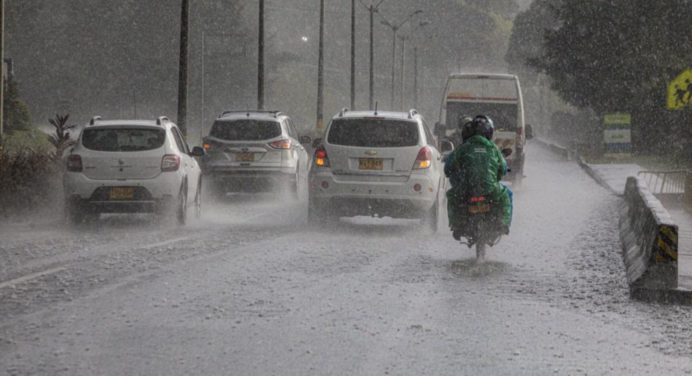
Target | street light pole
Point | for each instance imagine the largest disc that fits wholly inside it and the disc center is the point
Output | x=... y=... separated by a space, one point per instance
x=415 y=77
x=395 y=28
x=182 y=67
x=260 y=58
x=320 y=72
x=353 y=54
x=403 y=69
x=2 y=75
x=372 y=9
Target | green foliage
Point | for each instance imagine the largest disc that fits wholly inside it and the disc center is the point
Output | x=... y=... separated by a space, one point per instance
x=15 y=112
x=28 y=181
x=616 y=55
x=31 y=140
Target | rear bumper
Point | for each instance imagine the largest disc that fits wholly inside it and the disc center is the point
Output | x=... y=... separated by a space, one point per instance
x=133 y=206
x=239 y=180
x=395 y=199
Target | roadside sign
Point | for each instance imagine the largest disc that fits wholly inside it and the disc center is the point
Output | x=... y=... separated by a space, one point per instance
x=680 y=91
x=617 y=133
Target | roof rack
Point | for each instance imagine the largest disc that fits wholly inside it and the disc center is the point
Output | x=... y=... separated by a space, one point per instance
x=412 y=112
x=162 y=119
x=94 y=120
x=343 y=111
x=248 y=112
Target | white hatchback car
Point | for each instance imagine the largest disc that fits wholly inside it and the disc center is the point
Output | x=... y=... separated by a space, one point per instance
x=123 y=166
x=379 y=164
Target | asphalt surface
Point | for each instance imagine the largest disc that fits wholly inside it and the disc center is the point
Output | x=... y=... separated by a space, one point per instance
x=249 y=289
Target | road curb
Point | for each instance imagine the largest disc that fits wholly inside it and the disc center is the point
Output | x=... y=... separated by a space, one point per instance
x=590 y=171
x=555 y=148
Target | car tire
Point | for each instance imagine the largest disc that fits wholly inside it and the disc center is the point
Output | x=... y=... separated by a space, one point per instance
x=198 y=200
x=431 y=218
x=181 y=207
x=73 y=213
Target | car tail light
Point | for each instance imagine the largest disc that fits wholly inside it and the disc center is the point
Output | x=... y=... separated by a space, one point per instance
x=281 y=144
x=74 y=163
x=321 y=158
x=424 y=159
x=170 y=163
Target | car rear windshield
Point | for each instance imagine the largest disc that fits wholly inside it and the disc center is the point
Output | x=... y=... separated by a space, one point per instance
x=373 y=133
x=245 y=130
x=123 y=139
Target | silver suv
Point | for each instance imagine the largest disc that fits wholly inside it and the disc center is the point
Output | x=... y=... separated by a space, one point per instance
x=376 y=163
x=254 y=151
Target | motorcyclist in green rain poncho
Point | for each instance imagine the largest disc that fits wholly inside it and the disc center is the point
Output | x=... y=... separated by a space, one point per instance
x=475 y=169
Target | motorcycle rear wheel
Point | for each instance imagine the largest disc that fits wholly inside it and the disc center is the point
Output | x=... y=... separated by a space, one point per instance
x=480 y=252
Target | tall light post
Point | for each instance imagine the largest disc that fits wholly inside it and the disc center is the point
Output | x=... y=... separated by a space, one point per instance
x=372 y=9
x=353 y=54
x=182 y=67
x=395 y=28
x=260 y=58
x=2 y=75
x=320 y=72
x=415 y=65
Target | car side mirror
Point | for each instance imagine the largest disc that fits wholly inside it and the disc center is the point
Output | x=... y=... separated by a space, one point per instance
x=316 y=143
x=198 y=151
x=506 y=152
x=446 y=146
x=305 y=140
x=529 y=131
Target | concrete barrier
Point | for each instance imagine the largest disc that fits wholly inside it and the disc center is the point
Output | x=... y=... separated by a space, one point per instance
x=649 y=239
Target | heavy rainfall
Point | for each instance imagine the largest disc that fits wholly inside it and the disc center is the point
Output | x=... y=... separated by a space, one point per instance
x=364 y=187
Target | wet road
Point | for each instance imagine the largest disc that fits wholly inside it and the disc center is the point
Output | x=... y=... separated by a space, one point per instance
x=250 y=290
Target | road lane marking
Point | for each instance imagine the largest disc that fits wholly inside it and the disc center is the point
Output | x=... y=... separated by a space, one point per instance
x=166 y=242
x=29 y=277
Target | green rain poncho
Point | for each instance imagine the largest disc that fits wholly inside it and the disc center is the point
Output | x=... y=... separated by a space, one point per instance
x=475 y=169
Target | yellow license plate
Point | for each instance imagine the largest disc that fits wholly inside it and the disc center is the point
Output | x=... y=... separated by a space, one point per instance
x=122 y=193
x=477 y=209
x=245 y=157
x=370 y=164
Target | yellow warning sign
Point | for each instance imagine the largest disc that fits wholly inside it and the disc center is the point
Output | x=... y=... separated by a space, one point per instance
x=680 y=91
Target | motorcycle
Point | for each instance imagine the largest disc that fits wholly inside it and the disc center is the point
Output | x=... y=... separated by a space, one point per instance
x=483 y=225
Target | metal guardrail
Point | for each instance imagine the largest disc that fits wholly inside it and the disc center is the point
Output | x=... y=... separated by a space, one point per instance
x=665 y=182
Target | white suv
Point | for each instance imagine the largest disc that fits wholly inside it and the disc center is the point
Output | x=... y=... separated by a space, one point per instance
x=379 y=164
x=253 y=151
x=123 y=166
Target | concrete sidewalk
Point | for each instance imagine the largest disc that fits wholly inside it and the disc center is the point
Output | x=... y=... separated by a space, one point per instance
x=615 y=177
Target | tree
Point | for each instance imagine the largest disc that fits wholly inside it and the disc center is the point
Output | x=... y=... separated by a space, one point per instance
x=16 y=115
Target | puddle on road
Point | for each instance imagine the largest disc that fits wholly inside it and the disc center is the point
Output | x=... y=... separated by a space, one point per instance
x=470 y=268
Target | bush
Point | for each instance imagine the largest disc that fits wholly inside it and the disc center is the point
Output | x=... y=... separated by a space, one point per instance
x=28 y=182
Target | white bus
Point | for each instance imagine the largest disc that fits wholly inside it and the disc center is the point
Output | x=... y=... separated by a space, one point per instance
x=495 y=95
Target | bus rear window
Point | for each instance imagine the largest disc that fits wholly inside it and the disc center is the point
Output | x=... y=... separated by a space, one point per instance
x=504 y=115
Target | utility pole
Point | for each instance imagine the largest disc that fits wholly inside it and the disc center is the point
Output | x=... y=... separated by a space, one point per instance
x=260 y=59
x=2 y=73
x=415 y=77
x=182 y=67
x=320 y=72
x=402 y=72
x=353 y=54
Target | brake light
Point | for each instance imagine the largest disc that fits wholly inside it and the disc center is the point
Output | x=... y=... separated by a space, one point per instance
x=424 y=159
x=475 y=200
x=321 y=158
x=170 y=163
x=74 y=163
x=281 y=144
x=206 y=146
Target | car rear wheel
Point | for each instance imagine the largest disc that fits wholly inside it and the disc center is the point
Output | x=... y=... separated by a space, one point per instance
x=431 y=218
x=181 y=210
x=73 y=213
x=198 y=201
